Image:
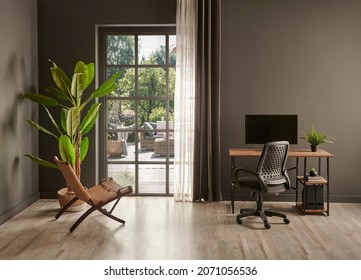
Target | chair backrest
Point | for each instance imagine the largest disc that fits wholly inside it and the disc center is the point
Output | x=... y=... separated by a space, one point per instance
x=72 y=180
x=272 y=164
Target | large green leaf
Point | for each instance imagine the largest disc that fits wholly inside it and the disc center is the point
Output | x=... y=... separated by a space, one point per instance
x=63 y=117
x=80 y=67
x=90 y=75
x=52 y=120
x=41 y=99
x=90 y=118
x=57 y=92
x=41 y=161
x=61 y=79
x=78 y=86
x=87 y=70
x=72 y=121
x=106 y=87
x=34 y=124
x=84 y=145
x=66 y=150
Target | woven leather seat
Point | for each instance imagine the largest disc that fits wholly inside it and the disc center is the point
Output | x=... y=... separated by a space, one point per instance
x=97 y=197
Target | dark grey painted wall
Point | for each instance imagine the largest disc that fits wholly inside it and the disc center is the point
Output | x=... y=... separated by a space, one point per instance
x=66 y=35
x=295 y=57
x=18 y=73
x=278 y=56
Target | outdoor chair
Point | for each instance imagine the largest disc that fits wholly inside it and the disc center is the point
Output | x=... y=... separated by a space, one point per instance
x=97 y=197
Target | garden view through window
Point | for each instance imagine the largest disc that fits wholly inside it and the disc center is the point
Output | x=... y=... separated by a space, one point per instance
x=138 y=121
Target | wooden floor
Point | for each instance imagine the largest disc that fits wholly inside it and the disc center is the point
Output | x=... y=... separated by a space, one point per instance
x=159 y=228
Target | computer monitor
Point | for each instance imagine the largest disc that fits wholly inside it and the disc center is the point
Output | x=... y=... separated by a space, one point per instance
x=260 y=129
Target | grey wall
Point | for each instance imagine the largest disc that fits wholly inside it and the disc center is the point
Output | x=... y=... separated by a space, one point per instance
x=278 y=56
x=66 y=35
x=295 y=57
x=18 y=74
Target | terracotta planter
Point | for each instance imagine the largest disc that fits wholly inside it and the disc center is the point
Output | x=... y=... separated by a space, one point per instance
x=64 y=197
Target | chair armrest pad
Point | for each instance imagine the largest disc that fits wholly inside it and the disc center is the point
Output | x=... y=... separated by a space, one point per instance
x=105 y=179
x=241 y=169
x=125 y=190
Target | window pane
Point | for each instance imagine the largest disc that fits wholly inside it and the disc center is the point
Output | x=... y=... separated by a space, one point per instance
x=151 y=82
x=172 y=49
x=121 y=145
x=120 y=114
x=152 y=178
x=120 y=50
x=171 y=82
x=124 y=174
x=171 y=178
x=152 y=50
x=125 y=85
x=151 y=111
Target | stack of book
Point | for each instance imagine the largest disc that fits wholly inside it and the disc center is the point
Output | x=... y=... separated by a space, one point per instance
x=313 y=178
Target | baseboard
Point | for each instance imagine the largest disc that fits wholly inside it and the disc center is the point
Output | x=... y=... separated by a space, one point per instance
x=18 y=208
x=292 y=198
x=48 y=195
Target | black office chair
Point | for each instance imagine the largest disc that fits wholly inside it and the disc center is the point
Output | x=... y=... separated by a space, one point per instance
x=270 y=177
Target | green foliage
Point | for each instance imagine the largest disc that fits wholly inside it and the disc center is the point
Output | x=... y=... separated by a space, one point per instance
x=157 y=114
x=69 y=95
x=120 y=50
x=151 y=82
x=316 y=138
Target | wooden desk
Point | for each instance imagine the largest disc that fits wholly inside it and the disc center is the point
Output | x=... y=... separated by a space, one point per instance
x=293 y=153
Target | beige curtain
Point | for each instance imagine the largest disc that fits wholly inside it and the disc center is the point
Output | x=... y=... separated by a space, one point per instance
x=184 y=100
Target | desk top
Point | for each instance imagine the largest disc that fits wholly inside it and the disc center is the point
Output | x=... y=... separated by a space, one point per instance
x=236 y=152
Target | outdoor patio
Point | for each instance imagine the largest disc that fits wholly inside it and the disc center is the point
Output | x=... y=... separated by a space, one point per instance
x=151 y=167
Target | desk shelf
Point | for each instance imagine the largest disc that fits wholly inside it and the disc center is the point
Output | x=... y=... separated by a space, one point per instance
x=310 y=211
x=322 y=181
x=319 y=183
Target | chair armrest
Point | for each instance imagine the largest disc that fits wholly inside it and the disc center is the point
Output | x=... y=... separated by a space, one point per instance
x=253 y=173
x=241 y=169
x=105 y=179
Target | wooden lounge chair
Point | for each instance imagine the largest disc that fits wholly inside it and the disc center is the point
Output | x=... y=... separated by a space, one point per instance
x=97 y=197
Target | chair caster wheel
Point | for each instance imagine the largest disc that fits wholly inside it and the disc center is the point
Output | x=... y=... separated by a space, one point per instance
x=239 y=220
x=267 y=225
x=287 y=221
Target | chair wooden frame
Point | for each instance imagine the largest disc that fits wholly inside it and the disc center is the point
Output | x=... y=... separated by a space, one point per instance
x=97 y=197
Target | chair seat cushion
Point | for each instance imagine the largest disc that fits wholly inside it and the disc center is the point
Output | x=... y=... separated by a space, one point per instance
x=251 y=182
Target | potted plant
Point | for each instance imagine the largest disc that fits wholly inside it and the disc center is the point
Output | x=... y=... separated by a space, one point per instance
x=316 y=138
x=76 y=118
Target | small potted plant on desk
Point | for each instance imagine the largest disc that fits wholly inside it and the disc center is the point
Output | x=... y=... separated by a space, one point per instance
x=316 y=138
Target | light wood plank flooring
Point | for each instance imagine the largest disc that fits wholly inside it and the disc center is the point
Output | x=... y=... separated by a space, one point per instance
x=159 y=228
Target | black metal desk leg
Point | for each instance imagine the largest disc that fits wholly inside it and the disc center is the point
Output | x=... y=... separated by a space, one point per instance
x=233 y=162
x=328 y=186
x=296 y=180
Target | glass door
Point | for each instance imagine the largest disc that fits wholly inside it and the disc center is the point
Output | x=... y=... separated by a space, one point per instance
x=137 y=123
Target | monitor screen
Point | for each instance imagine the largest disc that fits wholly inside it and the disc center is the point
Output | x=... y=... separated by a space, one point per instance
x=260 y=129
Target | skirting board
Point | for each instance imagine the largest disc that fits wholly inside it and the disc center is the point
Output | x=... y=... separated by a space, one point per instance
x=18 y=208
x=292 y=197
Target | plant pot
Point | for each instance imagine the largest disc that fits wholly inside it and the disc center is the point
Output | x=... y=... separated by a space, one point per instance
x=65 y=196
x=314 y=148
